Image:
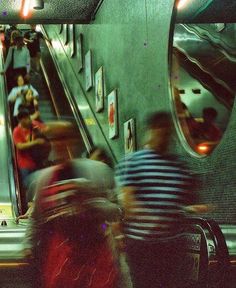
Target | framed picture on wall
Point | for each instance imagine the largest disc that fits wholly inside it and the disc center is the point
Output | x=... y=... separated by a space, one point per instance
x=112 y=114
x=72 y=40
x=80 y=52
x=129 y=136
x=60 y=28
x=88 y=70
x=66 y=34
x=99 y=89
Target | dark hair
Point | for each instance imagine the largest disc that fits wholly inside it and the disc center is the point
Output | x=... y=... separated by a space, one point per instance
x=159 y=120
x=103 y=155
x=23 y=113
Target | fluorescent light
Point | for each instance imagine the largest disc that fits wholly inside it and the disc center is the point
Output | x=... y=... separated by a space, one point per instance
x=26 y=8
x=181 y=4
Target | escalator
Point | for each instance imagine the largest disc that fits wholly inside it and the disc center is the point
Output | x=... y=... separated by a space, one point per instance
x=206 y=63
x=13 y=268
x=12 y=264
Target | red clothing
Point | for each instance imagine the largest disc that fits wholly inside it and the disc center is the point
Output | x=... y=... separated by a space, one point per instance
x=63 y=265
x=22 y=135
x=71 y=246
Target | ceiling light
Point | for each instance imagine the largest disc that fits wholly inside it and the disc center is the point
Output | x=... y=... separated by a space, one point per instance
x=25 y=8
x=181 y=4
x=38 y=4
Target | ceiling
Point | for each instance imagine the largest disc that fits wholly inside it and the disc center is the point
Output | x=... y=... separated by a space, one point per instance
x=83 y=11
x=207 y=11
x=55 y=11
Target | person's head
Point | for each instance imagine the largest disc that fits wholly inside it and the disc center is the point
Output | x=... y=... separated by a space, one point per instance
x=19 y=41
x=28 y=95
x=209 y=114
x=20 y=80
x=100 y=154
x=159 y=127
x=33 y=26
x=13 y=36
x=24 y=119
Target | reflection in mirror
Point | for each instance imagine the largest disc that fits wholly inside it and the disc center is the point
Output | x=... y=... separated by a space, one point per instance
x=202 y=72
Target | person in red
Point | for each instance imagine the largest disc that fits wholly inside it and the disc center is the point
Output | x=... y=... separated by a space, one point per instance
x=69 y=236
x=26 y=140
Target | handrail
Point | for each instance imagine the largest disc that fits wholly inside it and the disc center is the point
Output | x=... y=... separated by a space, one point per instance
x=11 y=155
x=220 y=44
x=85 y=136
x=218 y=239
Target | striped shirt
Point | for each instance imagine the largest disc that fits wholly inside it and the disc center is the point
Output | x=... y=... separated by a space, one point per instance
x=162 y=189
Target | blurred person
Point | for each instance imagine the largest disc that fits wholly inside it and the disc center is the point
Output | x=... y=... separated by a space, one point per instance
x=15 y=95
x=155 y=193
x=97 y=153
x=33 y=139
x=100 y=154
x=32 y=39
x=9 y=36
x=209 y=129
x=29 y=102
x=20 y=85
x=17 y=61
x=69 y=231
x=25 y=137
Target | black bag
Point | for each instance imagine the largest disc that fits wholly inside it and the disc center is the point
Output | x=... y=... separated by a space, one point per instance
x=40 y=153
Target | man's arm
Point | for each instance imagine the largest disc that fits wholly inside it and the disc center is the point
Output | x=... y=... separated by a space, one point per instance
x=30 y=144
x=199 y=208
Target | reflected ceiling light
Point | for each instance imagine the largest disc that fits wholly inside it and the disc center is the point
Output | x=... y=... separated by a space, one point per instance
x=38 y=4
x=202 y=148
x=25 y=7
x=181 y=4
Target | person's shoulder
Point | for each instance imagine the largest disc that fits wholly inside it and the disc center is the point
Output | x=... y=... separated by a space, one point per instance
x=14 y=90
x=17 y=130
x=135 y=158
x=90 y=164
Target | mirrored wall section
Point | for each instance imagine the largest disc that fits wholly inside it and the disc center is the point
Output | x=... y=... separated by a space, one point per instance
x=203 y=65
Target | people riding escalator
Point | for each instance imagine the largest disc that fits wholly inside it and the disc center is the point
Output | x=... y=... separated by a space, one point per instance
x=15 y=96
x=32 y=148
x=17 y=61
x=32 y=39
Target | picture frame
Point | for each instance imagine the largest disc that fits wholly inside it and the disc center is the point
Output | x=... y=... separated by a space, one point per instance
x=112 y=114
x=72 y=40
x=129 y=136
x=88 y=70
x=66 y=34
x=80 y=52
x=99 y=89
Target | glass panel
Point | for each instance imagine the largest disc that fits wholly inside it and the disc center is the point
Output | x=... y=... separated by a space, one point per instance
x=202 y=79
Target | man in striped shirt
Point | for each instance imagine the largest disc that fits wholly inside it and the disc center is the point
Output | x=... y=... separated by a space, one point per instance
x=155 y=189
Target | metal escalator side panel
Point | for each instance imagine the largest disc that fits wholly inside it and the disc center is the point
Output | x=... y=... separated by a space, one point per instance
x=9 y=196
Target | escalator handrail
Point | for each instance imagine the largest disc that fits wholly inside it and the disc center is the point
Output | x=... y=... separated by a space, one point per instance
x=217 y=236
x=228 y=51
x=85 y=136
